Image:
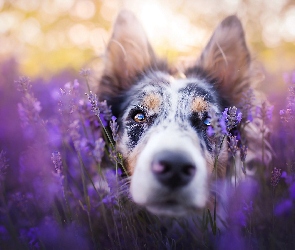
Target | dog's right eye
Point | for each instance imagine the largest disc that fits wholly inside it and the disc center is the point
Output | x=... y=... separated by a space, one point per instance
x=139 y=117
x=207 y=121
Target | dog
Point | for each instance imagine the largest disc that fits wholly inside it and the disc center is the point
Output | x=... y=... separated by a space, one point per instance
x=163 y=114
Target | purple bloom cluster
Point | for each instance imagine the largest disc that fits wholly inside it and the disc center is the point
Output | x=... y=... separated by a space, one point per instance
x=275 y=176
x=222 y=125
x=288 y=114
x=247 y=105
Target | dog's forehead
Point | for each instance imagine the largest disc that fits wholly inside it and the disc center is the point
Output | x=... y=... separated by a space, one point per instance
x=153 y=89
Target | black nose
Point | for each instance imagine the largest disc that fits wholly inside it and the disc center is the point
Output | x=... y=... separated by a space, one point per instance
x=173 y=169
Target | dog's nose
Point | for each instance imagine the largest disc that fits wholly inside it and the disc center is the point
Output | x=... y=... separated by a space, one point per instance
x=173 y=169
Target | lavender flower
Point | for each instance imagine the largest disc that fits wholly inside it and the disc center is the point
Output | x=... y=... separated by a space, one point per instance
x=114 y=127
x=283 y=207
x=105 y=110
x=30 y=107
x=74 y=133
x=248 y=207
x=229 y=119
x=288 y=114
x=210 y=131
x=23 y=84
x=217 y=126
x=264 y=112
x=57 y=161
x=31 y=236
x=243 y=154
x=247 y=104
x=85 y=72
x=93 y=99
x=98 y=150
x=113 y=155
x=232 y=117
x=112 y=177
x=233 y=145
x=90 y=119
x=68 y=99
x=275 y=176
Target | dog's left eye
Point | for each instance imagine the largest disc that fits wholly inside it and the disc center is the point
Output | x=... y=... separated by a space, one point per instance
x=139 y=117
x=207 y=121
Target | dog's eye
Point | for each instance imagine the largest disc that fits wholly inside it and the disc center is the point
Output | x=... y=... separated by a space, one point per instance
x=207 y=121
x=139 y=117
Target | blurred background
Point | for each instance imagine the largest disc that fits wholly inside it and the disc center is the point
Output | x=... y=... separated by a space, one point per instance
x=47 y=36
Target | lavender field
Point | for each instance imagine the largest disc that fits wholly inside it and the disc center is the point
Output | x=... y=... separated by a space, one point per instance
x=63 y=184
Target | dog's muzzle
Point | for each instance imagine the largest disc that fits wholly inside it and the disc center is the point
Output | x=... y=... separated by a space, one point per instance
x=173 y=169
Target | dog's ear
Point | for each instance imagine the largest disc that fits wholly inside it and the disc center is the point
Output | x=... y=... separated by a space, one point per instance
x=227 y=60
x=128 y=53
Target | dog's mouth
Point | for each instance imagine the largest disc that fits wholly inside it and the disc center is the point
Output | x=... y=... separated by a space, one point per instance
x=170 y=207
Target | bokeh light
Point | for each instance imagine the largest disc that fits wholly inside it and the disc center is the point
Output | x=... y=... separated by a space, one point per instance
x=71 y=33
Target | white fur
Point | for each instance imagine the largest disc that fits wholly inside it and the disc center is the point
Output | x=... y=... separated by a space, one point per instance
x=145 y=189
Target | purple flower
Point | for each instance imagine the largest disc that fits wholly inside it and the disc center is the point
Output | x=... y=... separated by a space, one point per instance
x=283 y=207
x=247 y=104
x=222 y=124
x=210 y=131
x=239 y=117
x=275 y=176
x=85 y=72
x=288 y=114
x=23 y=84
x=229 y=119
x=57 y=161
x=216 y=127
x=233 y=145
x=98 y=150
x=31 y=236
x=269 y=112
x=30 y=108
x=293 y=77
x=248 y=207
x=74 y=133
x=105 y=110
x=264 y=112
x=93 y=99
x=114 y=127
x=243 y=152
x=232 y=117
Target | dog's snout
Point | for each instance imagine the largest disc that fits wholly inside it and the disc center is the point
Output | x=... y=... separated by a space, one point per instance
x=173 y=169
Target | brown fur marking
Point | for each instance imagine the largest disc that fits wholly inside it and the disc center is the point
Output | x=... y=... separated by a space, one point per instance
x=152 y=102
x=199 y=105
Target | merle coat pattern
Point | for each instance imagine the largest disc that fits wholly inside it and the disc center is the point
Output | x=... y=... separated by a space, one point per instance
x=163 y=113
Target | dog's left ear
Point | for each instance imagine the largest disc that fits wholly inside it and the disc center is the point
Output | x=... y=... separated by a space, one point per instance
x=227 y=60
x=128 y=54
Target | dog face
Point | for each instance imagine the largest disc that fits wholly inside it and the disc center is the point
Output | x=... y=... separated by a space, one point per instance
x=165 y=139
x=163 y=119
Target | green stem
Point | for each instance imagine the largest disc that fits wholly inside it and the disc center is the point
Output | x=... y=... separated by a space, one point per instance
x=263 y=144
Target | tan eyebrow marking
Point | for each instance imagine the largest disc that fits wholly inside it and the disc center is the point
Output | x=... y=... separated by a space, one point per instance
x=199 y=104
x=152 y=102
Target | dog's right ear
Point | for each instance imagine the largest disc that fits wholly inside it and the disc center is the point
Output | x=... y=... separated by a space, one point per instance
x=227 y=59
x=128 y=54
